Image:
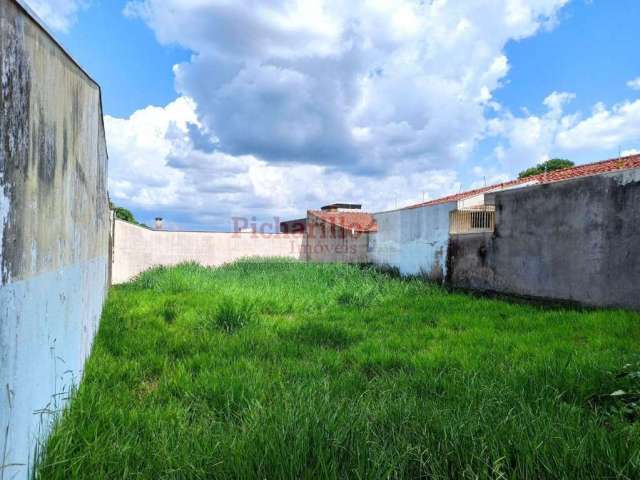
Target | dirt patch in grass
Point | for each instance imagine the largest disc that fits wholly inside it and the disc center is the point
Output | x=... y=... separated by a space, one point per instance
x=147 y=387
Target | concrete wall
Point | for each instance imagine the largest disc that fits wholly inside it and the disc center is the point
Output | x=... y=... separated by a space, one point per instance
x=330 y=243
x=54 y=231
x=137 y=249
x=413 y=240
x=577 y=240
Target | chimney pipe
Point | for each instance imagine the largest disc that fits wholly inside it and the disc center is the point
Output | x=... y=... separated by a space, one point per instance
x=159 y=221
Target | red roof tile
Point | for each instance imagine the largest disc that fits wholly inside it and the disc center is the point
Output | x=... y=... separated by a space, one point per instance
x=357 y=221
x=586 y=170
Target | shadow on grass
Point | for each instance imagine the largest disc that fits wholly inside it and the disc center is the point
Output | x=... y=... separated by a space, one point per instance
x=317 y=334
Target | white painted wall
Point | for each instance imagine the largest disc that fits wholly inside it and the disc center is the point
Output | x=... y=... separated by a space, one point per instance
x=413 y=240
x=137 y=249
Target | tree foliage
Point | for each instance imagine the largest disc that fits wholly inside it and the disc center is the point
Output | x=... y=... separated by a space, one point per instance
x=548 y=166
x=124 y=214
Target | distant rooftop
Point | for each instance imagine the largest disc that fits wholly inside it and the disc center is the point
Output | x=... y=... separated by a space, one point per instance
x=357 y=221
x=589 y=169
x=344 y=206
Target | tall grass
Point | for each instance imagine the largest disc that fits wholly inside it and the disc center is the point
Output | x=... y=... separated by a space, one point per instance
x=290 y=370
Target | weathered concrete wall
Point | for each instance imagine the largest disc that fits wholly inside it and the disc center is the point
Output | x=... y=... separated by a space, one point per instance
x=413 y=240
x=577 y=241
x=331 y=243
x=54 y=230
x=137 y=249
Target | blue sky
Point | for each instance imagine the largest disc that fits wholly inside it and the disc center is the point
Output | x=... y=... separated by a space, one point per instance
x=123 y=55
x=590 y=53
x=282 y=106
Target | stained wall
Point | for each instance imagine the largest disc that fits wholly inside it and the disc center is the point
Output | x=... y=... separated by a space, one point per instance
x=54 y=231
x=576 y=241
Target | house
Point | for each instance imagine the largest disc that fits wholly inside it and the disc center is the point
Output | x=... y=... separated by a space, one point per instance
x=475 y=198
x=339 y=232
x=475 y=211
x=294 y=226
x=415 y=239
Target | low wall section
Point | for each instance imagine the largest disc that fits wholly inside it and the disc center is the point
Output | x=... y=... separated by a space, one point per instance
x=137 y=249
x=577 y=240
x=54 y=231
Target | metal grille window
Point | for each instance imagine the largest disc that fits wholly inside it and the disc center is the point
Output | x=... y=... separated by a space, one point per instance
x=472 y=221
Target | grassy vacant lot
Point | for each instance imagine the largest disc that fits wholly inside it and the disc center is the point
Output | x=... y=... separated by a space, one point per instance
x=287 y=370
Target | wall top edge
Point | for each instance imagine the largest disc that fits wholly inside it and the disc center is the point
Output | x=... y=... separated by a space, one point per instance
x=409 y=208
x=559 y=184
x=34 y=16
x=40 y=23
x=200 y=232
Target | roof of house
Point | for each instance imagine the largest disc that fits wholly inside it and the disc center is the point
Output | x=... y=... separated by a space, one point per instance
x=588 y=169
x=357 y=221
x=336 y=206
x=296 y=220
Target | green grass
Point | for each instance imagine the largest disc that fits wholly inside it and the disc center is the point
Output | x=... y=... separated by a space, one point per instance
x=291 y=370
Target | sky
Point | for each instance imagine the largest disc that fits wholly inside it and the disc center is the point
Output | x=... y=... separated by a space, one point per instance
x=218 y=110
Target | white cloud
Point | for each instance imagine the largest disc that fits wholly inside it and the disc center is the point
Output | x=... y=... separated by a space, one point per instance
x=59 y=15
x=296 y=103
x=486 y=176
x=155 y=166
x=634 y=84
x=556 y=102
x=629 y=152
x=363 y=85
x=605 y=128
x=138 y=149
x=530 y=139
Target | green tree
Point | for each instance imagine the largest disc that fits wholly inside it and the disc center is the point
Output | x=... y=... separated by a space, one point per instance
x=548 y=166
x=124 y=214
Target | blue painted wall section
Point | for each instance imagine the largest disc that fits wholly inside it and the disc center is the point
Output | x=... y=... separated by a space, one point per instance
x=413 y=240
x=54 y=231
